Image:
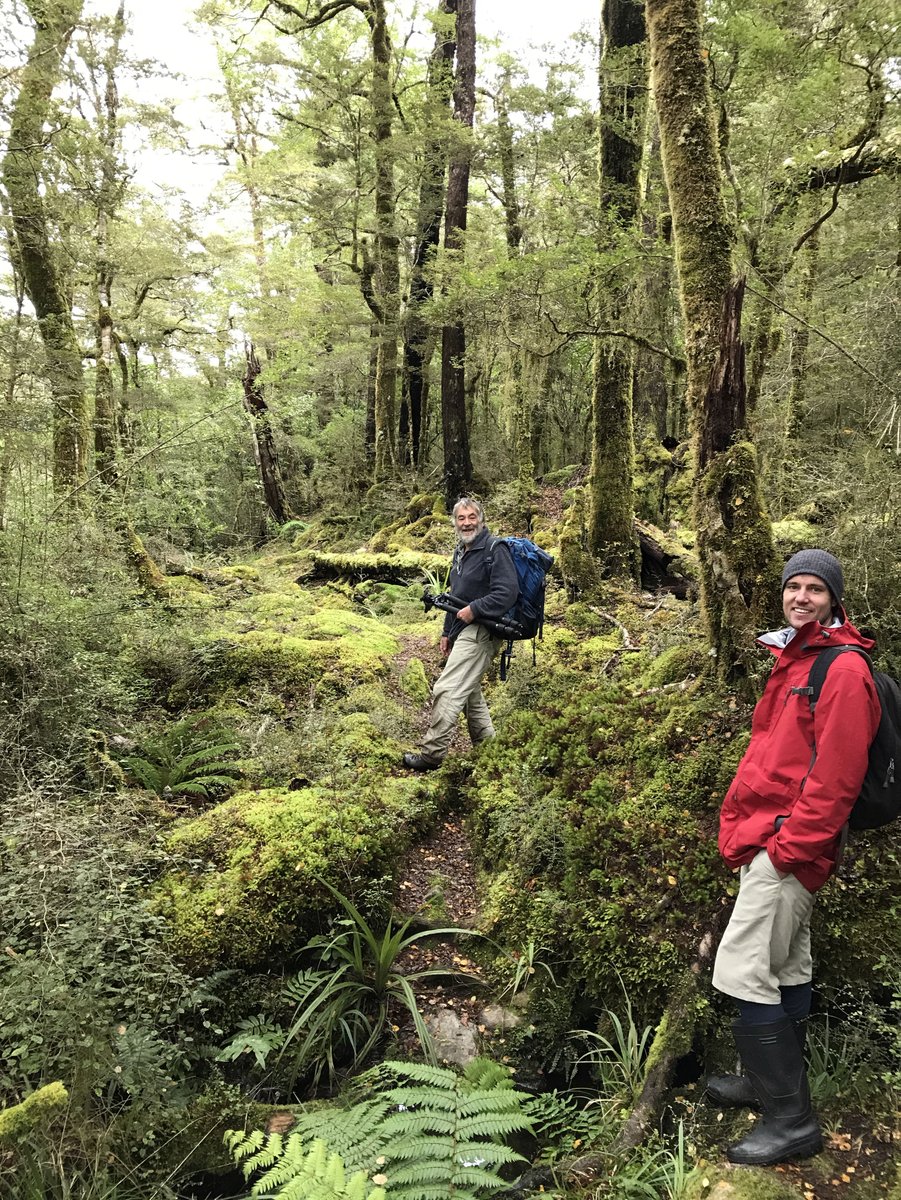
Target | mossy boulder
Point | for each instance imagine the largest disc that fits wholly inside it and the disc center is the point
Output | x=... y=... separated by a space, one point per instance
x=34 y=1116
x=250 y=881
x=324 y=655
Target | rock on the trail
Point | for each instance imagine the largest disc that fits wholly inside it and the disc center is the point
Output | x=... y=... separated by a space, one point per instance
x=455 y=1043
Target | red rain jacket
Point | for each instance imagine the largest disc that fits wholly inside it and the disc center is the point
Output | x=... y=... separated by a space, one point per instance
x=775 y=777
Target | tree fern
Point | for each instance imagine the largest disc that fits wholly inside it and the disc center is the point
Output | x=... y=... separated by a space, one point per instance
x=429 y=1134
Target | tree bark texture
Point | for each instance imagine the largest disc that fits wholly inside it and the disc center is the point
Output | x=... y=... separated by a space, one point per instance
x=110 y=192
x=387 y=244
x=734 y=538
x=622 y=137
x=45 y=284
x=428 y=229
x=264 y=451
x=457 y=456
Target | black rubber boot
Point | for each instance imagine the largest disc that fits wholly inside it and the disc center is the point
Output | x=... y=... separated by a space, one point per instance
x=788 y=1128
x=737 y=1091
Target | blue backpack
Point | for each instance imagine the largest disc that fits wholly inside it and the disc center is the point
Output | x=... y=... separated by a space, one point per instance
x=532 y=565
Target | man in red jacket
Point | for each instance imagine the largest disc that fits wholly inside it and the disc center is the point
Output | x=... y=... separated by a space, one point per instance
x=782 y=824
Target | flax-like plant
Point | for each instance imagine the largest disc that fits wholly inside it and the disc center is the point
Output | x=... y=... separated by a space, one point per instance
x=342 y=1004
x=620 y=1058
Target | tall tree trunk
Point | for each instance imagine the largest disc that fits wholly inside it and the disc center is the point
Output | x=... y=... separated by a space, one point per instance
x=387 y=244
x=622 y=137
x=734 y=539
x=110 y=191
x=264 y=451
x=512 y=216
x=428 y=229
x=457 y=457
x=44 y=282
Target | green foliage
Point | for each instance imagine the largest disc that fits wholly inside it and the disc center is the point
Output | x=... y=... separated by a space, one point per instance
x=429 y=1134
x=341 y=1004
x=187 y=760
x=618 y=1059
x=302 y=1174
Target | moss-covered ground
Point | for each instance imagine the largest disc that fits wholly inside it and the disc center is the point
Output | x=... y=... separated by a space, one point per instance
x=591 y=816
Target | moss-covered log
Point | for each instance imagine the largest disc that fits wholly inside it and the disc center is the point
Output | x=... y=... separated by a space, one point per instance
x=404 y=567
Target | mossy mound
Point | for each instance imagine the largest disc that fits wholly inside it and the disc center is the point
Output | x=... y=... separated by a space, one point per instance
x=745 y=1183
x=324 y=655
x=602 y=807
x=250 y=884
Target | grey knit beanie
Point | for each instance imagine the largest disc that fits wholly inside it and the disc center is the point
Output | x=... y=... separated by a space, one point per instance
x=820 y=563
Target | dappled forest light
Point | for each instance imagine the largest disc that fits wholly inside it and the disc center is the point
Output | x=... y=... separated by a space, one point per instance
x=636 y=292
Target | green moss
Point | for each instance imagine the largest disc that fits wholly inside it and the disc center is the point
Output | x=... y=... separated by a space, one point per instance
x=325 y=654
x=413 y=681
x=748 y=1183
x=676 y=663
x=388 y=568
x=249 y=885
x=34 y=1114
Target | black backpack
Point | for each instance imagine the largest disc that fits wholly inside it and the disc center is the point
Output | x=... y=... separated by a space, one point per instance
x=879 y=801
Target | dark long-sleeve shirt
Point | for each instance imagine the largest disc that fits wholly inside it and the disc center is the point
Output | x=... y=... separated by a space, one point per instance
x=484 y=577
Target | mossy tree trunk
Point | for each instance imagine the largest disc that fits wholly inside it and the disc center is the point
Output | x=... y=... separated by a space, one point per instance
x=264 y=448
x=734 y=539
x=622 y=137
x=457 y=457
x=387 y=243
x=106 y=441
x=40 y=268
x=428 y=228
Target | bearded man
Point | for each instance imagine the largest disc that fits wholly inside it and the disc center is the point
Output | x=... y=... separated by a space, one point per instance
x=484 y=578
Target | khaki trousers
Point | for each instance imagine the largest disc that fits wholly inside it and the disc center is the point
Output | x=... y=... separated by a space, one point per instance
x=459 y=689
x=767 y=941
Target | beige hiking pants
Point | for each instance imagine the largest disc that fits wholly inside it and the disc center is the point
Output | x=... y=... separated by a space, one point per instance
x=767 y=941
x=459 y=689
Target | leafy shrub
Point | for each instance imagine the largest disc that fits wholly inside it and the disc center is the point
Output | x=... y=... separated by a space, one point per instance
x=88 y=993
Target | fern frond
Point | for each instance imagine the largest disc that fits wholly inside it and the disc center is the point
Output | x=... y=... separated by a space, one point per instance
x=439 y=1077
x=485 y=1073
x=319 y=1174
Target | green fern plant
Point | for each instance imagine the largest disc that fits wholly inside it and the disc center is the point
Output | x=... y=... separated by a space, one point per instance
x=185 y=761
x=429 y=1134
x=298 y=1172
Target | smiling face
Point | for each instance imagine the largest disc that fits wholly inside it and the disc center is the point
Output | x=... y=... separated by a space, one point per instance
x=467 y=525
x=806 y=598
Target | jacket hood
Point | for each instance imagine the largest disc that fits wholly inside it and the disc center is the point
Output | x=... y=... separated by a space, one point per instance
x=813 y=637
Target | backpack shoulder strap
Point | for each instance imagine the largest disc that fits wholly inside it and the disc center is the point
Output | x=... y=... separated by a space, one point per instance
x=821 y=665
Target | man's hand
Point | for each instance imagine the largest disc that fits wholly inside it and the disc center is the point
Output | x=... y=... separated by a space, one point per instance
x=466 y=614
x=444 y=646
